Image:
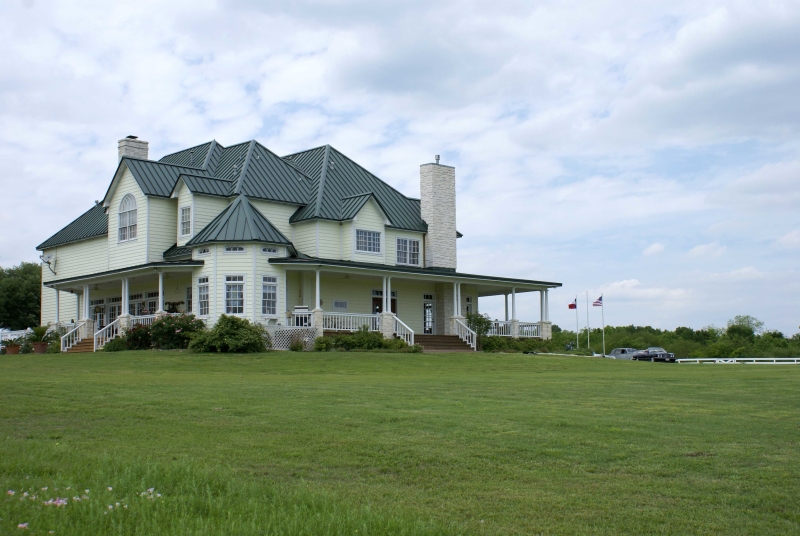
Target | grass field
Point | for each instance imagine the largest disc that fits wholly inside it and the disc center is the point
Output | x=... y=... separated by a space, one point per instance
x=358 y=443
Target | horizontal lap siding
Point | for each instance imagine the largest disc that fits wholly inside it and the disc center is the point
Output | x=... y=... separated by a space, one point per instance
x=133 y=252
x=277 y=213
x=68 y=306
x=264 y=268
x=305 y=238
x=207 y=270
x=235 y=264
x=391 y=244
x=162 y=223
x=329 y=240
x=369 y=218
x=206 y=209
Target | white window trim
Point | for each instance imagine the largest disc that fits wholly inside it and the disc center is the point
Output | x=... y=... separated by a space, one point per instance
x=277 y=284
x=225 y=252
x=225 y=283
x=410 y=239
x=276 y=252
x=380 y=242
x=199 y=254
x=180 y=221
x=128 y=227
x=207 y=283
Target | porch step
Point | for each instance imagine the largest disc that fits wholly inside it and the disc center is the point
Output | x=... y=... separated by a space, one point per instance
x=442 y=343
x=86 y=345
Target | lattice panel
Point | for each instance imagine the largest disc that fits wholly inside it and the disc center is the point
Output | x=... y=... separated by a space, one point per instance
x=282 y=336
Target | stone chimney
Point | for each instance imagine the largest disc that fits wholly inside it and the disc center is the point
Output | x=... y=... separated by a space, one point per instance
x=437 y=185
x=133 y=147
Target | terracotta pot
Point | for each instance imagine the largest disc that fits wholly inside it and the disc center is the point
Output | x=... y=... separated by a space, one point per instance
x=12 y=349
x=39 y=347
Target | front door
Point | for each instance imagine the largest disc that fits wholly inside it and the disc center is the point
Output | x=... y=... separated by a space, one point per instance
x=377 y=305
x=428 y=316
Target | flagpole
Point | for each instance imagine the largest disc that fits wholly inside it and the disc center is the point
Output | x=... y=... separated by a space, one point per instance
x=577 y=328
x=588 y=329
x=603 y=316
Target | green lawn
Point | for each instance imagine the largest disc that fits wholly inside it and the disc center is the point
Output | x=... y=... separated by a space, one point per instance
x=358 y=443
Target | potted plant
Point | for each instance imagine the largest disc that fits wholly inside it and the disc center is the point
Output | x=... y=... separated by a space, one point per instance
x=12 y=346
x=39 y=339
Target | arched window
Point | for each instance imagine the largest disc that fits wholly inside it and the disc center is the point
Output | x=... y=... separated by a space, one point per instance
x=127 y=218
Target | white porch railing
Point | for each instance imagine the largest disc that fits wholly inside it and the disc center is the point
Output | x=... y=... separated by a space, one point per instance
x=528 y=329
x=143 y=320
x=72 y=337
x=305 y=320
x=466 y=334
x=11 y=335
x=109 y=332
x=742 y=360
x=403 y=331
x=500 y=328
x=350 y=321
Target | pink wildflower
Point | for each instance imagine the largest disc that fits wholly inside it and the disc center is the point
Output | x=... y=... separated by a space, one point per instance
x=23 y=526
x=10 y=492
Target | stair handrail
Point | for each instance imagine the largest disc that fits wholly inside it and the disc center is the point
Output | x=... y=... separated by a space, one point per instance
x=72 y=337
x=466 y=334
x=107 y=333
x=403 y=331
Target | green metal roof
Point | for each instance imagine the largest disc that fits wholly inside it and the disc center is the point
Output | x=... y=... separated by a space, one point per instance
x=191 y=157
x=207 y=185
x=174 y=251
x=240 y=222
x=92 y=223
x=337 y=179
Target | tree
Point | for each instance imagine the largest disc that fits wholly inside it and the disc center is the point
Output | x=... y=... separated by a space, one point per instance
x=747 y=321
x=480 y=324
x=20 y=296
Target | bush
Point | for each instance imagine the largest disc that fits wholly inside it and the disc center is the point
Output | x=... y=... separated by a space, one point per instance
x=323 y=344
x=116 y=345
x=174 y=332
x=138 y=337
x=297 y=344
x=363 y=339
x=230 y=335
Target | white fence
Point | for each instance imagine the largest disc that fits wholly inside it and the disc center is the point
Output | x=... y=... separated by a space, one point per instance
x=281 y=337
x=742 y=361
x=528 y=329
x=403 y=331
x=350 y=321
x=500 y=328
x=466 y=334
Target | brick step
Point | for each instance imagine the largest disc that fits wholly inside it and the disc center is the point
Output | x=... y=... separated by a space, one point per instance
x=442 y=343
x=86 y=345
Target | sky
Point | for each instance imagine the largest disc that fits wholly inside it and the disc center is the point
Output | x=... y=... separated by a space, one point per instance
x=645 y=151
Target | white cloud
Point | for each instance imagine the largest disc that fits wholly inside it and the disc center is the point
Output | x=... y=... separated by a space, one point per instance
x=706 y=251
x=790 y=240
x=653 y=249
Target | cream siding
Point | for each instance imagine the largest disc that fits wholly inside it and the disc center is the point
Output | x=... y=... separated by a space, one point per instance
x=278 y=214
x=305 y=237
x=371 y=218
x=206 y=208
x=391 y=245
x=328 y=236
x=68 y=306
x=185 y=199
x=132 y=252
x=234 y=264
x=162 y=222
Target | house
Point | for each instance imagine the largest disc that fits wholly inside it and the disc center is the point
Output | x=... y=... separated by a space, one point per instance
x=309 y=241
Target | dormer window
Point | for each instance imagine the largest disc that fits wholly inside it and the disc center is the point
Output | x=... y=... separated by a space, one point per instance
x=186 y=221
x=368 y=241
x=127 y=218
x=234 y=249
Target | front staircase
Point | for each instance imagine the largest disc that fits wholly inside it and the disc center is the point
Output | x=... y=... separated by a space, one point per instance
x=85 y=345
x=442 y=343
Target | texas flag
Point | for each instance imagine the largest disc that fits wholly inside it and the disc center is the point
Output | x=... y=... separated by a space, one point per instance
x=574 y=304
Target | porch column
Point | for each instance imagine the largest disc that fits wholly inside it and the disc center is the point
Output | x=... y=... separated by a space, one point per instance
x=547 y=304
x=387 y=318
x=388 y=308
x=514 y=321
x=545 y=326
x=541 y=306
x=58 y=307
x=317 y=313
x=160 y=292
x=455 y=299
x=506 y=296
x=86 y=314
x=383 y=294
x=124 y=314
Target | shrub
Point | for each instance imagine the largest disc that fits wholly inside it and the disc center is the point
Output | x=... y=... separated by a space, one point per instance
x=38 y=334
x=363 y=339
x=494 y=344
x=138 y=337
x=174 y=332
x=394 y=344
x=480 y=324
x=116 y=345
x=230 y=334
x=323 y=344
x=297 y=345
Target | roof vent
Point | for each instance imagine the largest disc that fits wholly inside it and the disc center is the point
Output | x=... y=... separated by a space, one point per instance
x=437 y=159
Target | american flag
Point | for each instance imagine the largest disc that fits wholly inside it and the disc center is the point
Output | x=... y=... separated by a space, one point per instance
x=598 y=302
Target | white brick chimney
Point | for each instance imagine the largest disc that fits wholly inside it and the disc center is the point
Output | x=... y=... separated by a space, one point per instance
x=437 y=185
x=133 y=147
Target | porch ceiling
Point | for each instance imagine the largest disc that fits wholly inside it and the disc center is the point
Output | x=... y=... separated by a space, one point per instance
x=487 y=285
x=111 y=278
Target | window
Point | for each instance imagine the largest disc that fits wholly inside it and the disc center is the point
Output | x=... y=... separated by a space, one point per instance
x=379 y=294
x=368 y=241
x=203 y=251
x=186 y=221
x=428 y=297
x=234 y=249
x=234 y=294
x=96 y=302
x=269 y=250
x=407 y=251
x=469 y=304
x=127 y=218
x=189 y=300
x=202 y=294
x=340 y=305
x=269 y=295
